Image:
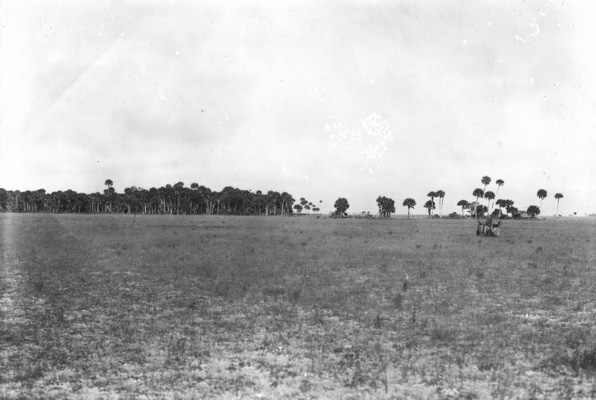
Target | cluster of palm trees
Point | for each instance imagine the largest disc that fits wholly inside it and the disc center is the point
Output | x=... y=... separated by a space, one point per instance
x=479 y=210
x=306 y=205
x=168 y=199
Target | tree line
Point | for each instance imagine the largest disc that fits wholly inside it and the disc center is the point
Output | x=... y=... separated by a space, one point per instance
x=197 y=199
x=169 y=199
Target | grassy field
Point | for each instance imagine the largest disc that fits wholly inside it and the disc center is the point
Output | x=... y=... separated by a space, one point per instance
x=102 y=306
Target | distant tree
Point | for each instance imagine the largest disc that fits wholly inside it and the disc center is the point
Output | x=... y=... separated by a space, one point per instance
x=298 y=208
x=489 y=196
x=513 y=211
x=386 y=206
x=432 y=196
x=341 y=206
x=510 y=208
x=558 y=196
x=441 y=195
x=485 y=181
x=502 y=203
x=478 y=193
x=463 y=204
x=429 y=205
x=410 y=203
x=316 y=209
x=533 y=211
x=109 y=193
x=481 y=210
x=541 y=195
x=287 y=202
x=499 y=182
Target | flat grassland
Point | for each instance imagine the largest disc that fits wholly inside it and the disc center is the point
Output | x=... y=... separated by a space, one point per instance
x=118 y=306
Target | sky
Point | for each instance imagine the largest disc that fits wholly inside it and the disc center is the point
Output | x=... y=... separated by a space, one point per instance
x=354 y=99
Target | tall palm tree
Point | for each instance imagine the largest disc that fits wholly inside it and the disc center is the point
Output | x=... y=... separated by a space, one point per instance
x=410 y=203
x=432 y=196
x=478 y=193
x=541 y=195
x=485 y=181
x=558 y=196
x=463 y=204
x=441 y=195
x=499 y=182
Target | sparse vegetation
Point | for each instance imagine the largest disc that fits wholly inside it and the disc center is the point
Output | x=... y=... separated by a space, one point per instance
x=211 y=306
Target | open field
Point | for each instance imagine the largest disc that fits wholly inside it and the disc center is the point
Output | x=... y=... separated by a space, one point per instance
x=106 y=306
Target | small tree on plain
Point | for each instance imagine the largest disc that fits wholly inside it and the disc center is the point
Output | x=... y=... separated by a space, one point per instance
x=533 y=211
x=463 y=204
x=341 y=206
x=558 y=196
x=410 y=203
x=541 y=194
x=429 y=205
x=386 y=206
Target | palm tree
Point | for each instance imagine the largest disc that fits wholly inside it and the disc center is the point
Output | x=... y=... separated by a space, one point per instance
x=541 y=195
x=463 y=204
x=499 y=182
x=441 y=195
x=558 y=196
x=109 y=192
x=432 y=196
x=501 y=203
x=485 y=181
x=410 y=203
x=430 y=205
x=478 y=193
x=489 y=196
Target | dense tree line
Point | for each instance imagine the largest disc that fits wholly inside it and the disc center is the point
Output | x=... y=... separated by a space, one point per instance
x=169 y=199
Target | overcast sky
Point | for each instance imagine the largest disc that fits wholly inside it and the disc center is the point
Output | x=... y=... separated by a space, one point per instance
x=320 y=99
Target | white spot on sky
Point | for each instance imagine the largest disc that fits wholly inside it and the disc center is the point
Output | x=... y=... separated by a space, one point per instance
x=372 y=81
x=370 y=141
x=531 y=80
x=533 y=24
x=464 y=41
x=490 y=23
x=177 y=53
